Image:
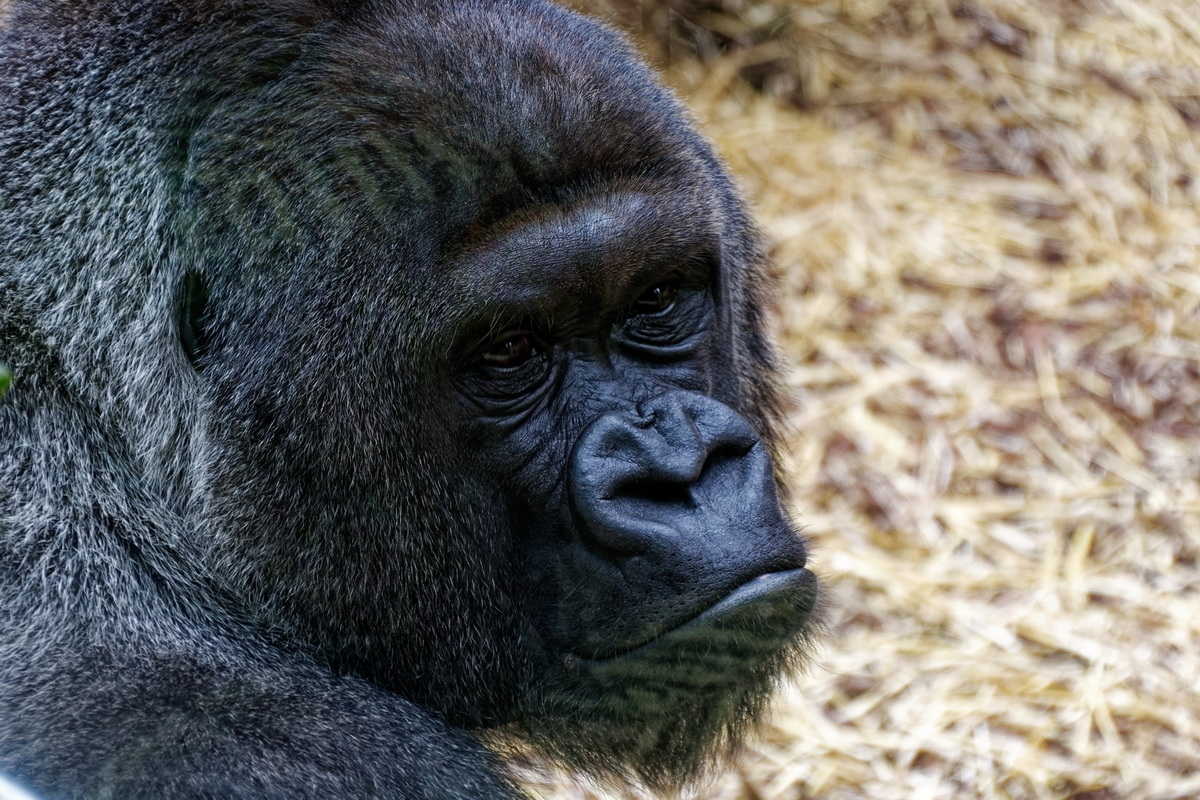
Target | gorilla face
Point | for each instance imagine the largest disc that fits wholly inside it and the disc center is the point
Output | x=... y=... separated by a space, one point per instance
x=652 y=560
x=487 y=405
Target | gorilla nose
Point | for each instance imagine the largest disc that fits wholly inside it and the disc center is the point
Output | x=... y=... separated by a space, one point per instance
x=686 y=482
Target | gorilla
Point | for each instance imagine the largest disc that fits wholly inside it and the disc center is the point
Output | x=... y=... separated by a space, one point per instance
x=390 y=401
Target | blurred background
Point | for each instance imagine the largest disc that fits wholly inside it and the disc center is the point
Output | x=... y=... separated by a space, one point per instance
x=985 y=220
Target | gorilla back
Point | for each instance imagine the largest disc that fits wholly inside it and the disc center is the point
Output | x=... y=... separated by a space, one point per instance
x=388 y=377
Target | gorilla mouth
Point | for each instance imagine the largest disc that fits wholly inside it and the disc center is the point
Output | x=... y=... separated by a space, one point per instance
x=755 y=619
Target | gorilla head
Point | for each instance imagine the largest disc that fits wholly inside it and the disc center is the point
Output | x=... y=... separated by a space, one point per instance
x=412 y=345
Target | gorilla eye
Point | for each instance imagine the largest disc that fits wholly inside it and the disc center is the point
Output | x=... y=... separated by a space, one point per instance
x=666 y=321
x=510 y=350
x=656 y=299
x=507 y=371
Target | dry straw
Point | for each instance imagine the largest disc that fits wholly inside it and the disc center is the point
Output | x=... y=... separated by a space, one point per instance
x=986 y=225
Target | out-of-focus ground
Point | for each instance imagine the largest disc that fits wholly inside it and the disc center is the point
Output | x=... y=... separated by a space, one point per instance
x=985 y=218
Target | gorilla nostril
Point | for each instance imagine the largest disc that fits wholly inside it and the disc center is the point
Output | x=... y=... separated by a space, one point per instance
x=640 y=481
x=731 y=449
x=657 y=492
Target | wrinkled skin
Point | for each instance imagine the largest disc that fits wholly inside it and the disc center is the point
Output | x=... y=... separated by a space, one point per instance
x=388 y=377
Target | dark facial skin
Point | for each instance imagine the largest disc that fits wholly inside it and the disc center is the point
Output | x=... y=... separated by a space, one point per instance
x=644 y=498
x=653 y=550
x=411 y=356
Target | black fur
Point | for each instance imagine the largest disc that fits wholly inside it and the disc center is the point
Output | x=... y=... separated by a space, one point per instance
x=387 y=376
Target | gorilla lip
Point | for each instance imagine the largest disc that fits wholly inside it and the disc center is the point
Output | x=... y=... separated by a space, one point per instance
x=777 y=604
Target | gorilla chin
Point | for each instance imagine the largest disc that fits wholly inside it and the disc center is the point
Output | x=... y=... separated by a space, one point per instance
x=389 y=379
x=669 y=711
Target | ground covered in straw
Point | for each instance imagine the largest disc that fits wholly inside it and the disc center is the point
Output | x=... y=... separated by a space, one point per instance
x=985 y=218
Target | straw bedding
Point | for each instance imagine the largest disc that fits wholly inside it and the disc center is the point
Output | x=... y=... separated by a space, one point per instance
x=985 y=220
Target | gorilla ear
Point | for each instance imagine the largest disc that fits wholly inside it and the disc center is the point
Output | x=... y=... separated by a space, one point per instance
x=193 y=317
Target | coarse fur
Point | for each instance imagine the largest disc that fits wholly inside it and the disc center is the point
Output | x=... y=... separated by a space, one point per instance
x=335 y=329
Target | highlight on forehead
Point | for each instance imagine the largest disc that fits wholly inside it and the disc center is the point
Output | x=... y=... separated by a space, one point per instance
x=591 y=256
